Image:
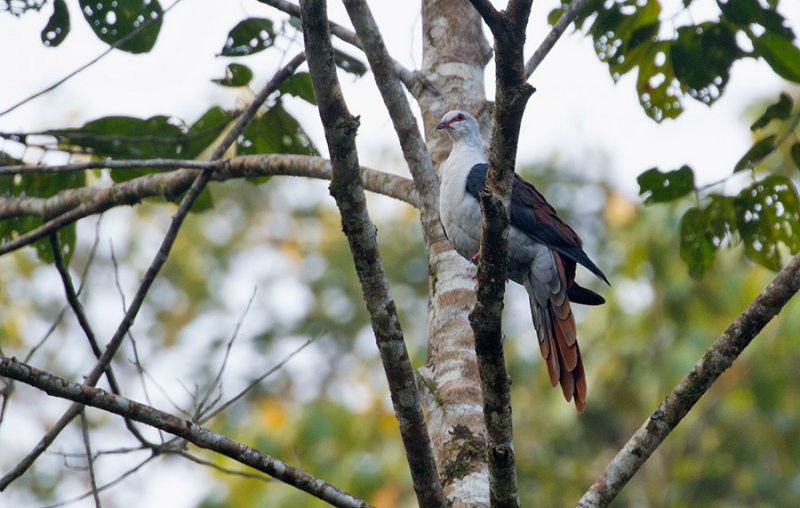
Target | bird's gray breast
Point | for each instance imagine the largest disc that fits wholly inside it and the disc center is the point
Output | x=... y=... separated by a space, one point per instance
x=461 y=216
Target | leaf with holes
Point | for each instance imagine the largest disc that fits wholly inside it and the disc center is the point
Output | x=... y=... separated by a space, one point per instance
x=659 y=91
x=663 y=187
x=778 y=111
x=702 y=56
x=756 y=153
x=128 y=25
x=697 y=249
x=249 y=37
x=768 y=216
x=745 y=13
x=57 y=26
x=276 y=131
x=235 y=75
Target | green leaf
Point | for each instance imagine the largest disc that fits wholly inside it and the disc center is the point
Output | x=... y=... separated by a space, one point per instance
x=124 y=137
x=768 y=215
x=235 y=75
x=43 y=186
x=778 y=111
x=622 y=36
x=299 y=85
x=659 y=90
x=697 y=250
x=664 y=187
x=57 y=26
x=756 y=153
x=349 y=63
x=748 y=12
x=702 y=56
x=249 y=37
x=795 y=152
x=202 y=134
x=276 y=131
x=138 y=22
x=720 y=216
x=780 y=53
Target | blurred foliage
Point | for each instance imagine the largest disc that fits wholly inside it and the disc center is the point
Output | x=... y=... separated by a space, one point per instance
x=328 y=410
x=764 y=215
x=676 y=56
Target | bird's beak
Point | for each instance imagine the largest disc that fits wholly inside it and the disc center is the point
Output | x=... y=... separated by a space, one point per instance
x=443 y=125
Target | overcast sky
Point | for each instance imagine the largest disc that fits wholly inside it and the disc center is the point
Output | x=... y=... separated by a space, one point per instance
x=577 y=111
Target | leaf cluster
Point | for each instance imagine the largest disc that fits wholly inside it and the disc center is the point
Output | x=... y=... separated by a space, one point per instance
x=693 y=59
x=764 y=216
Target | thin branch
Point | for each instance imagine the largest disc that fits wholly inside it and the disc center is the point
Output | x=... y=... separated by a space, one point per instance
x=201 y=405
x=413 y=81
x=112 y=47
x=405 y=125
x=89 y=458
x=719 y=357
x=198 y=183
x=86 y=395
x=225 y=470
x=252 y=384
x=550 y=40
x=83 y=321
x=340 y=132
x=69 y=206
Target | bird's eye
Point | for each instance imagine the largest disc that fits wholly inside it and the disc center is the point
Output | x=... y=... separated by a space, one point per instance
x=459 y=117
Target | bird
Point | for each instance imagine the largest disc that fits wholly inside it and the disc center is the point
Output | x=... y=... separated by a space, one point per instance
x=543 y=251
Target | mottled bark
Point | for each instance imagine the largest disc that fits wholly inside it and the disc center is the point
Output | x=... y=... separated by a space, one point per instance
x=455 y=54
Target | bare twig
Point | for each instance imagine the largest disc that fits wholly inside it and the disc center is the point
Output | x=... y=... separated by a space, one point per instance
x=340 y=133
x=87 y=445
x=198 y=183
x=112 y=47
x=252 y=384
x=105 y=486
x=719 y=357
x=201 y=405
x=405 y=125
x=413 y=81
x=552 y=37
x=85 y=395
x=77 y=309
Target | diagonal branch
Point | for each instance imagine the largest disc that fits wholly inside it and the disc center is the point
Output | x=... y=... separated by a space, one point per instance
x=719 y=357
x=340 y=132
x=413 y=81
x=198 y=183
x=86 y=395
x=405 y=125
x=552 y=37
x=83 y=320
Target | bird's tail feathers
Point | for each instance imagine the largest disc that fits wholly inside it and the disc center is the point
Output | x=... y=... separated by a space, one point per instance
x=557 y=332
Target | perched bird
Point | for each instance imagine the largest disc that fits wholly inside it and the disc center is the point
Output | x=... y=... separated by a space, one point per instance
x=542 y=250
